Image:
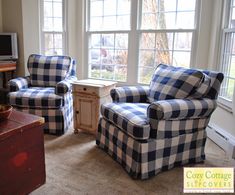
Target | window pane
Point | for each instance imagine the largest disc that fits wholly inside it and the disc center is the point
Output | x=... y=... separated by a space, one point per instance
x=164 y=41
x=96 y=8
x=145 y=75
x=149 y=21
x=147 y=58
x=120 y=73
x=53 y=44
x=227 y=88
x=185 y=20
x=109 y=7
x=57 y=10
x=181 y=59
x=48 y=9
x=186 y=5
x=58 y=24
x=48 y=24
x=58 y=41
x=108 y=56
x=96 y=22
x=58 y=51
x=228 y=66
x=95 y=41
x=53 y=16
x=167 y=20
x=52 y=26
x=123 y=7
x=183 y=41
x=168 y=5
x=109 y=22
x=109 y=15
x=165 y=14
x=147 y=41
x=166 y=47
x=164 y=57
x=49 y=42
x=121 y=41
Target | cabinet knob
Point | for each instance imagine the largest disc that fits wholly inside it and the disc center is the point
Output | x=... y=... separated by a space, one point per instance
x=84 y=88
x=77 y=112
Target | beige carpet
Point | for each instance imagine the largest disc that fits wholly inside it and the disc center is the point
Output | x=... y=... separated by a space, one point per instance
x=74 y=165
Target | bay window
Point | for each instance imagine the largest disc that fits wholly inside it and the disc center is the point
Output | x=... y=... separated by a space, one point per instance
x=53 y=28
x=163 y=31
x=227 y=62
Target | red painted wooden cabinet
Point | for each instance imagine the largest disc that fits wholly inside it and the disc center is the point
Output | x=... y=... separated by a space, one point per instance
x=22 y=160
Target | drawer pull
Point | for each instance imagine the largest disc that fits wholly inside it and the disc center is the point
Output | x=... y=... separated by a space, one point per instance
x=77 y=112
x=84 y=88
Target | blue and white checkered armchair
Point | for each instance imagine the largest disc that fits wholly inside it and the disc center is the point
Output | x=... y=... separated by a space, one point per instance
x=148 y=129
x=46 y=91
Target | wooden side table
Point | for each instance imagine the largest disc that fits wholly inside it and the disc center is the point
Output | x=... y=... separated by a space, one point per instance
x=88 y=95
x=5 y=67
x=22 y=167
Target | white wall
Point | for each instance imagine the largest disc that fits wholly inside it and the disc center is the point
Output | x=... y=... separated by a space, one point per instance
x=201 y=57
x=31 y=30
x=0 y=15
x=75 y=34
x=12 y=22
x=30 y=13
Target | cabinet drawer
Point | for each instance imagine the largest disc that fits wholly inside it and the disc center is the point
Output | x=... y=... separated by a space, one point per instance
x=86 y=89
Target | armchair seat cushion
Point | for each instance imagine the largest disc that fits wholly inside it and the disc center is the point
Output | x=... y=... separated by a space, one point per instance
x=130 y=118
x=36 y=97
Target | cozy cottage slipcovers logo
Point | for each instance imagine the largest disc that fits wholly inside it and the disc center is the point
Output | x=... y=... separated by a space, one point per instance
x=220 y=180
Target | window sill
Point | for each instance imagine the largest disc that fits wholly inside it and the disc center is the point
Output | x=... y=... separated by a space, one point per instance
x=225 y=107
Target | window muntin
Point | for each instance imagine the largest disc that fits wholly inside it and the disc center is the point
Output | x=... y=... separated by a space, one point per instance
x=109 y=15
x=108 y=54
x=166 y=35
x=165 y=14
x=53 y=32
x=227 y=65
x=108 y=32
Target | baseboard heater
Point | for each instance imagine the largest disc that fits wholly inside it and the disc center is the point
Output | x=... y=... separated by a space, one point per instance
x=222 y=138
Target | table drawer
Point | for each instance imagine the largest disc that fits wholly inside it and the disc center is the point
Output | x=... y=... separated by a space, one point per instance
x=86 y=89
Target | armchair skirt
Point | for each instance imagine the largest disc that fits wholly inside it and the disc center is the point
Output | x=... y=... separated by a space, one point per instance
x=149 y=129
x=46 y=91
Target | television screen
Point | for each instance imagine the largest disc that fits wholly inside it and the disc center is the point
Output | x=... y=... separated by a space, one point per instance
x=5 y=45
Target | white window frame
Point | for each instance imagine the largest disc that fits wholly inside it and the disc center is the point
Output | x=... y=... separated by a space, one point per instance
x=63 y=33
x=134 y=37
x=223 y=101
x=88 y=33
x=194 y=32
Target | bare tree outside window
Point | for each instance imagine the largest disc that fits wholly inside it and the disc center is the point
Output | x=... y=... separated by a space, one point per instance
x=163 y=38
x=164 y=34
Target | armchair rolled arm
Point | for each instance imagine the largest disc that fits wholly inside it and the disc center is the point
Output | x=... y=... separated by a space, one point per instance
x=65 y=86
x=19 y=83
x=130 y=94
x=181 y=109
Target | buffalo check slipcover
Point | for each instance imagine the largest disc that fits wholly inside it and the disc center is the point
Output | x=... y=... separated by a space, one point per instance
x=147 y=134
x=46 y=91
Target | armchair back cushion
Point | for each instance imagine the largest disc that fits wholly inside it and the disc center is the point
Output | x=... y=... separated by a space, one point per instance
x=169 y=82
x=216 y=80
x=47 y=71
